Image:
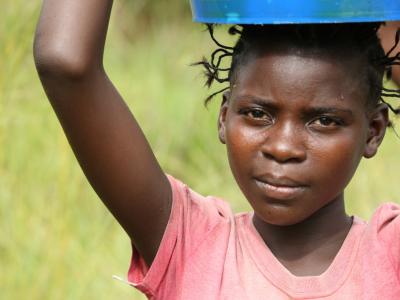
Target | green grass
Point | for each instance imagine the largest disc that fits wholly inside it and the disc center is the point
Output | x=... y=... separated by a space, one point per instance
x=58 y=241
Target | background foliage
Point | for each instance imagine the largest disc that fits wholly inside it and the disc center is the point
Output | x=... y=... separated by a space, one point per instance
x=57 y=239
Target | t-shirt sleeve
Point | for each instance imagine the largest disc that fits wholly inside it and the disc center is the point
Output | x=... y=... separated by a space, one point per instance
x=386 y=222
x=192 y=218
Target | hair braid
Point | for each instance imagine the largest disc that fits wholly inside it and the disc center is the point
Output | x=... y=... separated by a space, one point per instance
x=363 y=36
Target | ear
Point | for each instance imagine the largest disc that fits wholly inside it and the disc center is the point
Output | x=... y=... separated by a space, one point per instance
x=378 y=122
x=222 y=116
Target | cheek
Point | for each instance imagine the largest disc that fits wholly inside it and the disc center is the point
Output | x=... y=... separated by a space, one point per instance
x=242 y=140
x=242 y=144
x=337 y=160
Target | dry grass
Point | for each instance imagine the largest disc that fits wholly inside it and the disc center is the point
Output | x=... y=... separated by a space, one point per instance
x=58 y=241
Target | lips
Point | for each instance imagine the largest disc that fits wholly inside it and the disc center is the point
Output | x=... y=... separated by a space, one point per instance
x=280 y=188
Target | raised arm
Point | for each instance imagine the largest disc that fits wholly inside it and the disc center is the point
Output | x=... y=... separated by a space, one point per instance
x=106 y=139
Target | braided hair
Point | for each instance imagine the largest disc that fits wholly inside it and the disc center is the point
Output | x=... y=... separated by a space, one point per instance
x=361 y=37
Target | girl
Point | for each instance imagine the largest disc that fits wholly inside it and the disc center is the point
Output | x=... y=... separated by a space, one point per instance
x=302 y=108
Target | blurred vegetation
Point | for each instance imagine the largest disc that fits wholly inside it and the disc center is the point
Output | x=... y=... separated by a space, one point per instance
x=57 y=239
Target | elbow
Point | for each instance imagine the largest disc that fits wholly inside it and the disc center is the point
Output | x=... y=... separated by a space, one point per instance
x=61 y=62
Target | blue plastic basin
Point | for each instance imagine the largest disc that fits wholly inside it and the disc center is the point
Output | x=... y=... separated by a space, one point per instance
x=294 y=11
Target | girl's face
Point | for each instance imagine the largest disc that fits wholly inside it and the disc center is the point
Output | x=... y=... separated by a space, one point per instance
x=295 y=128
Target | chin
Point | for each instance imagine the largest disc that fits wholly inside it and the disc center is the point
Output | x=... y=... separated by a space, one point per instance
x=282 y=222
x=280 y=215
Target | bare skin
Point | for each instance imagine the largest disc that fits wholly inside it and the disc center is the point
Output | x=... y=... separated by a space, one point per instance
x=105 y=137
x=294 y=140
x=387 y=34
x=121 y=167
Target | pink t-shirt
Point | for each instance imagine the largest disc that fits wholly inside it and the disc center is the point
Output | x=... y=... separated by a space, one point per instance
x=207 y=252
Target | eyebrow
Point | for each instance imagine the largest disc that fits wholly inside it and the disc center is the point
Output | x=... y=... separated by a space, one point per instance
x=324 y=110
x=265 y=102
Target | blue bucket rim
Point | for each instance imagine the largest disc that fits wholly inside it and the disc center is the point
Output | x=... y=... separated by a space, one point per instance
x=264 y=21
x=293 y=12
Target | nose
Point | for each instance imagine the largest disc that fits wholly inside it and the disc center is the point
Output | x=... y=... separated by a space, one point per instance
x=284 y=142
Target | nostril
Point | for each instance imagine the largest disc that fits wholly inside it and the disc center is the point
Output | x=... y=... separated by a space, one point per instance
x=285 y=142
x=284 y=158
x=268 y=156
x=285 y=152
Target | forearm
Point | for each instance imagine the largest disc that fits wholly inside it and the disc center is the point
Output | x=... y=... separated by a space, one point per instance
x=71 y=34
x=387 y=35
x=396 y=69
x=396 y=75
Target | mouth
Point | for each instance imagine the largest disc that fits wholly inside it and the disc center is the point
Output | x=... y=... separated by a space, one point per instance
x=280 y=188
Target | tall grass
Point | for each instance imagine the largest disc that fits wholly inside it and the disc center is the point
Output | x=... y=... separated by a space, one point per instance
x=57 y=239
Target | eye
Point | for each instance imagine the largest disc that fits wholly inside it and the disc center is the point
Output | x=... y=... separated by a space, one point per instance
x=326 y=121
x=257 y=114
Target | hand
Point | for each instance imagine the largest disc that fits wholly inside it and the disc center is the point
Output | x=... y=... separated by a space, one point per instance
x=387 y=34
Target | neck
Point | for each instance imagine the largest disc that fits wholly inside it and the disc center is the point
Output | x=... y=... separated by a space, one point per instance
x=321 y=234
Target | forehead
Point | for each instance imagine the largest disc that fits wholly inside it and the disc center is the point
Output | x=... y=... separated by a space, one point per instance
x=290 y=74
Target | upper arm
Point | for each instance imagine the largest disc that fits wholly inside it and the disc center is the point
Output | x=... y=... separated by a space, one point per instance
x=104 y=135
x=113 y=153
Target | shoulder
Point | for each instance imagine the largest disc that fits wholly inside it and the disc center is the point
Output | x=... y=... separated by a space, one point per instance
x=195 y=221
x=386 y=218
x=195 y=217
x=378 y=241
x=191 y=202
x=384 y=233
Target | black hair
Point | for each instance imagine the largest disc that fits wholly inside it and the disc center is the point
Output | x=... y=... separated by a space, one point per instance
x=361 y=37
